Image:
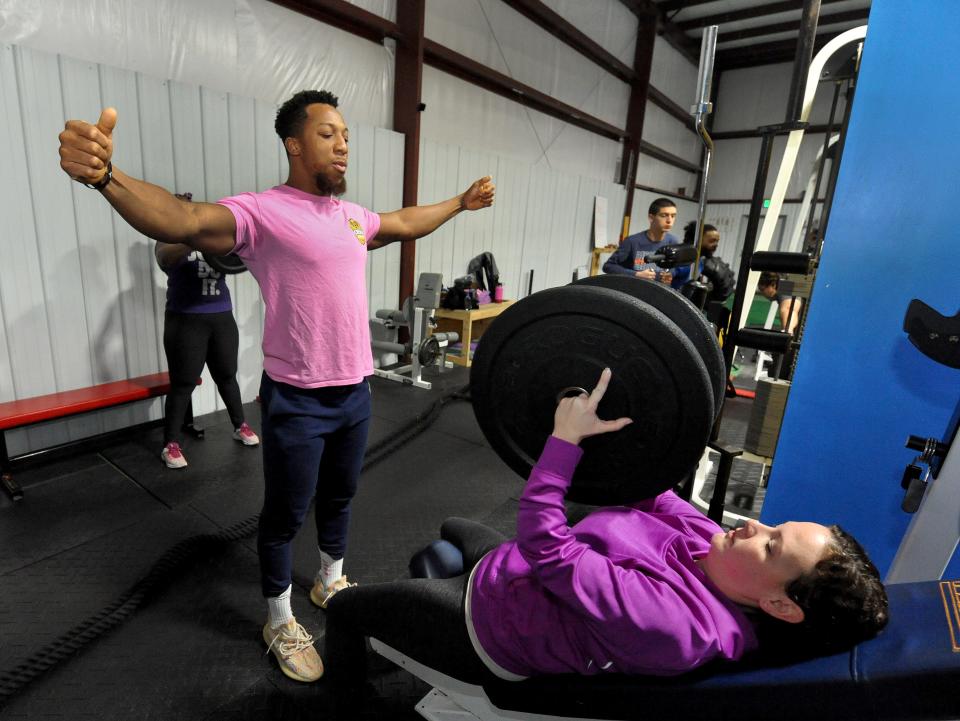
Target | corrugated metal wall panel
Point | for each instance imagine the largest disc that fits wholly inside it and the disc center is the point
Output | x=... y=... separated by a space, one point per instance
x=509 y=224
x=28 y=363
x=608 y=22
x=751 y=97
x=493 y=33
x=215 y=140
x=536 y=245
x=668 y=133
x=736 y=167
x=81 y=296
x=542 y=220
x=658 y=174
x=560 y=241
x=383 y=176
x=731 y=220
x=673 y=74
x=439 y=174
x=242 y=118
x=391 y=198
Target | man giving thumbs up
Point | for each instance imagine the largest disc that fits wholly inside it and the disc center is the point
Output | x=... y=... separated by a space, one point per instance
x=307 y=249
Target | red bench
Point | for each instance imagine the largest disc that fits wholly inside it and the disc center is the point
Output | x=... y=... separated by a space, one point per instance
x=27 y=411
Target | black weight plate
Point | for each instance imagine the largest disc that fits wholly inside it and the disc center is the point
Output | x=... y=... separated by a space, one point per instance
x=428 y=351
x=229 y=264
x=682 y=312
x=565 y=337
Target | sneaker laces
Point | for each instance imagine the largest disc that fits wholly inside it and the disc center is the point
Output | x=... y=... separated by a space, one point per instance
x=346 y=584
x=172 y=448
x=338 y=584
x=294 y=643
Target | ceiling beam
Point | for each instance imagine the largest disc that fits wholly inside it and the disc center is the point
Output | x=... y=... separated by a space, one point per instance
x=667 y=193
x=557 y=26
x=746 y=14
x=686 y=46
x=662 y=155
x=674 y=5
x=553 y=23
x=348 y=17
x=793 y=25
x=780 y=51
x=463 y=67
x=343 y=15
x=739 y=134
x=473 y=72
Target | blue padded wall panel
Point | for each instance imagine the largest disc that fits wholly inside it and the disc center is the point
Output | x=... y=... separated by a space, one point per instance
x=860 y=387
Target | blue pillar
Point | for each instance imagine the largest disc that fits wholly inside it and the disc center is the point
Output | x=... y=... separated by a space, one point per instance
x=860 y=387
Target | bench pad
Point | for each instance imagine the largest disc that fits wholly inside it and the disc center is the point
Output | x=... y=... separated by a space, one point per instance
x=14 y=414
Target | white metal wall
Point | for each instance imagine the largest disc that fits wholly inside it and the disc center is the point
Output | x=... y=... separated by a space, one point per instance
x=747 y=99
x=257 y=49
x=736 y=167
x=750 y=97
x=731 y=220
x=81 y=298
x=493 y=33
x=753 y=97
x=542 y=219
x=251 y=48
x=675 y=76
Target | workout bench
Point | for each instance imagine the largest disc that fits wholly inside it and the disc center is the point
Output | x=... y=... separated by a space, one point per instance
x=910 y=671
x=27 y=411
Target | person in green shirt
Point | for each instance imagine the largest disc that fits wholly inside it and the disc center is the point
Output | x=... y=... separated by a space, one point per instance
x=788 y=314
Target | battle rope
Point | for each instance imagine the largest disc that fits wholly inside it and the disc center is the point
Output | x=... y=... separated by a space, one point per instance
x=174 y=560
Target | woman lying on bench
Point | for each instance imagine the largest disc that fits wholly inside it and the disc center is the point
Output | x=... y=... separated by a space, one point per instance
x=652 y=588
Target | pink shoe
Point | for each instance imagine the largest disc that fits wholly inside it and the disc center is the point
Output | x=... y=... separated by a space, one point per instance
x=172 y=456
x=246 y=436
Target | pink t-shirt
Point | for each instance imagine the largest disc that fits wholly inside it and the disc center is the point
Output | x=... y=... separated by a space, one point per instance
x=309 y=254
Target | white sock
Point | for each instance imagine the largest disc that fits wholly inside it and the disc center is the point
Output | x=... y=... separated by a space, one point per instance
x=330 y=570
x=279 y=608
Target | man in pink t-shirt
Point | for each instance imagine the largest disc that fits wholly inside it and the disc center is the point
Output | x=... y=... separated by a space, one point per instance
x=307 y=249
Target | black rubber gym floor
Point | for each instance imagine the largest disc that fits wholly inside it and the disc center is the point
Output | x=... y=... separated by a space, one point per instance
x=130 y=591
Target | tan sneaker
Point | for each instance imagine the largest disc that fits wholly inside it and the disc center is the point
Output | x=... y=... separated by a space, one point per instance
x=293 y=647
x=321 y=595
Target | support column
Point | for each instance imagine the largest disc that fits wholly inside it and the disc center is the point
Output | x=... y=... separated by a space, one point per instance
x=642 y=62
x=407 y=106
x=806 y=39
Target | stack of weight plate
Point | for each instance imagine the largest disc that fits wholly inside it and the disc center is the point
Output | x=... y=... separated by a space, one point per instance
x=766 y=416
x=668 y=376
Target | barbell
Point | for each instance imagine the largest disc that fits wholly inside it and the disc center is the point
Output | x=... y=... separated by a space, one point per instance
x=229 y=264
x=668 y=376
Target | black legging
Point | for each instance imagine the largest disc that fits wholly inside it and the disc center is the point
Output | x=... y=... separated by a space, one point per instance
x=420 y=617
x=190 y=340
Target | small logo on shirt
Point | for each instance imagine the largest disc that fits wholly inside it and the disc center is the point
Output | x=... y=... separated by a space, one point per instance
x=358 y=231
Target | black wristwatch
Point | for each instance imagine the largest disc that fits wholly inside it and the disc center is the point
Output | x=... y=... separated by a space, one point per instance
x=105 y=180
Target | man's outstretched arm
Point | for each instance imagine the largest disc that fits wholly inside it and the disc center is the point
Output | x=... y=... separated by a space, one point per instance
x=419 y=220
x=86 y=151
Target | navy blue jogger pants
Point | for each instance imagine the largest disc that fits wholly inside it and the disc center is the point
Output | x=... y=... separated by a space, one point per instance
x=313 y=445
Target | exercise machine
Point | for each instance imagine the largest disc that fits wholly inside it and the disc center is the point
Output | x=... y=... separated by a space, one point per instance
x=425 y=349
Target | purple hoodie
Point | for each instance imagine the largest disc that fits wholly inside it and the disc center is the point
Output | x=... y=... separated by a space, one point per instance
x=620 y=592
